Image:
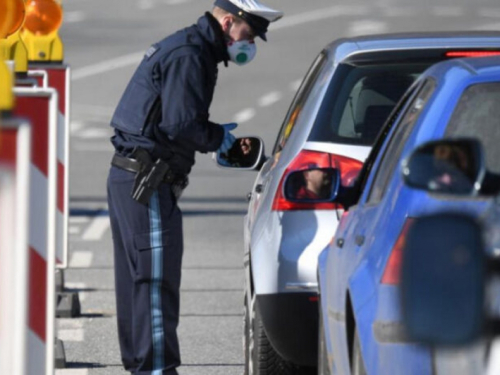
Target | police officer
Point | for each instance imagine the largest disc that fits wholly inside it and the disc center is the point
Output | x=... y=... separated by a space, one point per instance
x=160 y=122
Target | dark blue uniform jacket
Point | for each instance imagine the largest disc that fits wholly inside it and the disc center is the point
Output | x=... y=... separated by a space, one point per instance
x=165 y=107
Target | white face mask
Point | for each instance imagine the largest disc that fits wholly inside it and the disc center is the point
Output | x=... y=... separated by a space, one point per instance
x=241 y=52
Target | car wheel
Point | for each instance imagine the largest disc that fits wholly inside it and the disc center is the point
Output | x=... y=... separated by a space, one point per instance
x=260 y=356
x=358 y=365
x=323 y=368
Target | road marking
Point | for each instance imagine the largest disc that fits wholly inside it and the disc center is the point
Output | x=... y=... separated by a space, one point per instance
x=107 y=66
x=81 y=259
x=77 y=286
x=295 y=20
x=320 y=14
x=244 y=116
x=72 y=372
x=447 y=11
x=74 y=230
x=79 y=219
x=72 y=17
x=94 y=133
x=404 y=11
x=489 y=12
x=96 y=229
x=72 y=335
x=66 y=323
x=75 y=126
x=176 y=2
x=92 y=147
x=487 y=27
x=270 y=99
x=366 y=27
x=145 y=4
x=294 y=86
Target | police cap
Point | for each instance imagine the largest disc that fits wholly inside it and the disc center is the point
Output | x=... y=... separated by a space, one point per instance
x=257 y=15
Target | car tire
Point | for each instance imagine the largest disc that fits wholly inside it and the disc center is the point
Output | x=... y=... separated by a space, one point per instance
x=260 y=356
x=323 y=367
x=358 y=364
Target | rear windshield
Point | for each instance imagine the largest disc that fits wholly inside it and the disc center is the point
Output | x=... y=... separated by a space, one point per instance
x=477 y=115
x=359 y=99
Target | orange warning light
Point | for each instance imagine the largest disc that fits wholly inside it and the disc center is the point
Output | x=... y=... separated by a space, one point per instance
x=43 y=17
x=14 y=18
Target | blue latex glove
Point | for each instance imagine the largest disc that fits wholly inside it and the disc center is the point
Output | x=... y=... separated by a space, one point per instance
x=229 y=139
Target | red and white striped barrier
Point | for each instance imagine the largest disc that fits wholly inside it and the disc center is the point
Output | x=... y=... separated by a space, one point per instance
x=14 y=197
x=39 y=106
x=59 y=79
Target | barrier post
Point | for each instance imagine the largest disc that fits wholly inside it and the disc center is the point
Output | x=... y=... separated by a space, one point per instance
x=40 y=107
x=14 y=248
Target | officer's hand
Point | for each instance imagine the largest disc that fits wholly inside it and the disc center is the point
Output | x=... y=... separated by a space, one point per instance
x=229 y=139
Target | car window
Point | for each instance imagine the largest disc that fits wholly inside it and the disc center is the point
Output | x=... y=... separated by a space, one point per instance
x=477 y=115
x=379 y=142
x=359 y=99
x=397 y=142
x=298 y=103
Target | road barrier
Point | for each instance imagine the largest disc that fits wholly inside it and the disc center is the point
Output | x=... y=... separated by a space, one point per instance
x=14 y=248
x=58 y=77
x=39 y=106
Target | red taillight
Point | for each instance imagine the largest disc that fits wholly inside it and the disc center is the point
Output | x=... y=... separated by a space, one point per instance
x=472 y=53
x=349 y=169
x=392 y=272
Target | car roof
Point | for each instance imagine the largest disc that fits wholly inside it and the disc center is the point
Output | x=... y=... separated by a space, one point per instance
x=340 y=49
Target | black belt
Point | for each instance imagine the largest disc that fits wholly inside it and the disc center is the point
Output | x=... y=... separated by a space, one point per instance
x=132 y=165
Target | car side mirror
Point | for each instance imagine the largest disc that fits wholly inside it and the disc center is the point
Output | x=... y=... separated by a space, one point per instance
x=454 y=166
x=443 y=278
x=313 y=185
x=247 y=153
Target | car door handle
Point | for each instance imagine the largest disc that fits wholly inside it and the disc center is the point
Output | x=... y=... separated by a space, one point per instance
x=340 y=242
x=360 y=240
x=259 y=188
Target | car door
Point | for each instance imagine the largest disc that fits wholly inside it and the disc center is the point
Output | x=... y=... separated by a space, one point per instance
x=356 y=231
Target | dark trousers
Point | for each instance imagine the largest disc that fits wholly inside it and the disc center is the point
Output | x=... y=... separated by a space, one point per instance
x=148 y=256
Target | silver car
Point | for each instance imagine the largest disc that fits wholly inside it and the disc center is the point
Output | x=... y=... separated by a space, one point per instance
x=342 y=103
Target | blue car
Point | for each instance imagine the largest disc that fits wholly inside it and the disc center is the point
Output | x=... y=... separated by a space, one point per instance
x=361 y=330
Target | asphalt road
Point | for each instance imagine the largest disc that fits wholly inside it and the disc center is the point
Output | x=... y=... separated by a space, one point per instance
x=104 y=41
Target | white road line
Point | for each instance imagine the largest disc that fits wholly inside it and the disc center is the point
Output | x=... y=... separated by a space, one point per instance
x=294 y=86
x=94 y=133
x=489 y=12
x=366 y=27
x=494 y=360
x=76 y=286
x=75 y=126
x=244 y=116
x=78 y=219
x=404 y=11
x=74 y=230
x=81 y=259
x=107 y=66
x=447 y=11
x=92 y=147
x=65 y=323
x=96 y=110
x=72 y=17
x=270 y=99
x=145 y=4
x=72 y=372
x=320 y=14
x=96 y=229
x=295 y=20
x=488 y=27
x=175 y=2
x=72 y=335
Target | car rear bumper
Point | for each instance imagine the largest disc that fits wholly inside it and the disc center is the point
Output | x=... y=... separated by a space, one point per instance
x=291 y=324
